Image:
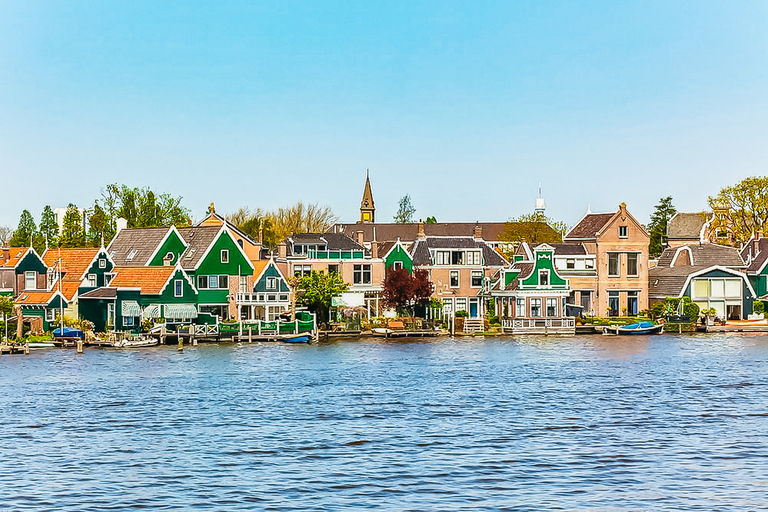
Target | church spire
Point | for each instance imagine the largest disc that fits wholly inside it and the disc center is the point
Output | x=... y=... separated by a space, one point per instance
x=367 y=208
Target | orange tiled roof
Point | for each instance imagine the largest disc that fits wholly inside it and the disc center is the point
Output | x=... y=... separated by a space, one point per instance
x=258 y=267
x=37 y=297
x=14 y=256
x=151 y=280
x=74 y=261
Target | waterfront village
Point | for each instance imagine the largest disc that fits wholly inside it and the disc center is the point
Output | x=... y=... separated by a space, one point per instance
x=210 y=280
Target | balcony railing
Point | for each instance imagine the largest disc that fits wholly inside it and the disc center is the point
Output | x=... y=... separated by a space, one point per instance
x=565 y=325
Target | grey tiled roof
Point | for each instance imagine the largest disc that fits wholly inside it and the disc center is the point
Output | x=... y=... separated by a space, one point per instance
x=332 y=241
x=703 y=255
x=198 y=239
x=100 y=293
x=491 y=231
x=756 y=256
x=686 y=226
x=420 y=249
x=143 y=241
x=589 y=226
x=525 y=269
x=668 y=282
x=569 y=249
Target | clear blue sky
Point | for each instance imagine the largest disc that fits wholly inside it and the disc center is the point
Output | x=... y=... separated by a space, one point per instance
x=467 y=106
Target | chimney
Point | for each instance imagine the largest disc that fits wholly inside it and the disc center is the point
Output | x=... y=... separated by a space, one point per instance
x=120 y=224
x=421 y=230
x=360 y=237
x=478 y=232
x=282 y=250
x=756 y=243
x=167 y=260
x=374 y=249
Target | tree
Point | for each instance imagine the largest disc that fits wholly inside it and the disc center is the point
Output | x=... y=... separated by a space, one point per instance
x=431 y=220
x=301 y=218
x=49 y=228
x=22 y=237
x=747 y=205
x=657 y=227
x=251 y=223
x=317 y=289
x=6 y=232
x=72 y=233
x=405 y=210
x=142 y=207
x=403 y=291
x=531 y=228
x=99 y=226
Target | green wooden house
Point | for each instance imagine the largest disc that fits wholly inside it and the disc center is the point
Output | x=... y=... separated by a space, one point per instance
x=271 y=293
x=396 y=256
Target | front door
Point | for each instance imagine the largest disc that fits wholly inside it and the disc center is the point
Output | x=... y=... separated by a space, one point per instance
x=473 y=308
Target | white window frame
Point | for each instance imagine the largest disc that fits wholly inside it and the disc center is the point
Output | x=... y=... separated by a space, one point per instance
x=458 y=279
x=50 y=314
x=549 y=303
x=92 y=280
x=397 y=265
x=30 y=275
x=178 y=288
x=102 y=263
x=271 y=283
x=623 y=232
x=637 y=264
x=362 y=274
x=535 y=303
x=225 y=255
x=618 y=264
x=473 y=275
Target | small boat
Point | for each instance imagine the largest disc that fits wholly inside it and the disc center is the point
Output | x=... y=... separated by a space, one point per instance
x=636 y=328
x=300 y=338
x=381 y=331
x=136 y=342
x=68 y=333
x=41 y=344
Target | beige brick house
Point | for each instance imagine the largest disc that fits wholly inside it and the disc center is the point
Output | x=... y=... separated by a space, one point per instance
x=609 y=275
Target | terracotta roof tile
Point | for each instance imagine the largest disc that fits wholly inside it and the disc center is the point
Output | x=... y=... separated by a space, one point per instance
x=74 y=261
x=151 y=280
x=15 y=255
x=36 y=298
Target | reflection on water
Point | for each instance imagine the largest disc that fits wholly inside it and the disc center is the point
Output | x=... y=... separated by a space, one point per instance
x=609 y=423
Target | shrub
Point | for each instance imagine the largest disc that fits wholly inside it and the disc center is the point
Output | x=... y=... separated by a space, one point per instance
x=461 y=314
x=758 y=307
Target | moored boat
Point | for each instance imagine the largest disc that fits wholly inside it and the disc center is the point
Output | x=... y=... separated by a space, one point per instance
x=636 y=328
x=144 y=341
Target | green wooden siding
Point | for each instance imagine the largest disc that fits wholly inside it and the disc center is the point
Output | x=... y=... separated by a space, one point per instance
x=212 y=265
x=174 y=245
x=31 y=262
x=271 y=271
x=399 y=254
x=544 y=261
x=95 y=268
x=188 y=296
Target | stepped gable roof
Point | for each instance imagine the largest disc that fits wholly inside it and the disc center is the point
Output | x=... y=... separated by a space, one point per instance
x=700 y=255
x=15 y=255
x=75 y=261
x=756 y=259
x=332 y=241
x=420 y=249
x=387 y=232
x=686 y=226
x=198 y=240
x=569 y=249
x=589 y=226
x=134 y=247
x=105 y=292
x=150 y=280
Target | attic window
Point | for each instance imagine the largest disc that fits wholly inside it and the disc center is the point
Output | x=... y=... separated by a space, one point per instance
x=225 y=255
x=622 y=231
x=190 y=253
x=131 y=255
x=102 y=263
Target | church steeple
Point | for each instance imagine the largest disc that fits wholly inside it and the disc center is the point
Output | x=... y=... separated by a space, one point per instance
x=367 y=208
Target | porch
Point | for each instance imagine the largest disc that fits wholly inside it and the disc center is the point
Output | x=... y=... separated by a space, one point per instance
x=543 y=326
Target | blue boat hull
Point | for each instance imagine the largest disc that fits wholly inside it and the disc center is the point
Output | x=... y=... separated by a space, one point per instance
x=638 y=328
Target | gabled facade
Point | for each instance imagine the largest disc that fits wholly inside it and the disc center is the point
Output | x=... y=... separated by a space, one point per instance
x=74 y=271
x=531 y=294
x=459 y=267
x=271 y=294
x=618 y=245
x=43 y=307
x=21 y=269
x=397 y=256
x=711 y=275
x=361 y=269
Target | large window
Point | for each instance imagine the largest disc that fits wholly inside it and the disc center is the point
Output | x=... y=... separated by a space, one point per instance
x=243 y=288
x=213 y=282
x=632 y=267
x=30 y=280
x=92 y=280
x=543 y=277
x=613 y=264
x=477 y=278
x=613 y=303
x=520 y=306
x=535 y=307
x=552 y=306
x=362 y=274
x=457 y=257
x=454 y=278
x=632 y=303
x=50 y=315
x=461 y=304
x=302 y=270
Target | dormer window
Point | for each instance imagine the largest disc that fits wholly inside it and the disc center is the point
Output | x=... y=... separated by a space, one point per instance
x=30 y=280
x=543 y=277
x=622 y=231
x=225 y=255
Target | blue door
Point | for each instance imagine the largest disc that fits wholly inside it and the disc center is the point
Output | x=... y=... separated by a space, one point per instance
x=473 y=309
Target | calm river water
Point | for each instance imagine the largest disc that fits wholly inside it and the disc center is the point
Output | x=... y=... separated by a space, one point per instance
x=584 y=423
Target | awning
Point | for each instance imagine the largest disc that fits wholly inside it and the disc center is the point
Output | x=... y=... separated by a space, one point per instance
x=130 y=308
x=349 y=300
x=180 y=311
x=151 y=311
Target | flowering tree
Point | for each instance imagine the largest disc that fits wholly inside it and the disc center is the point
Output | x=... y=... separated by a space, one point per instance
x=403 y=291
